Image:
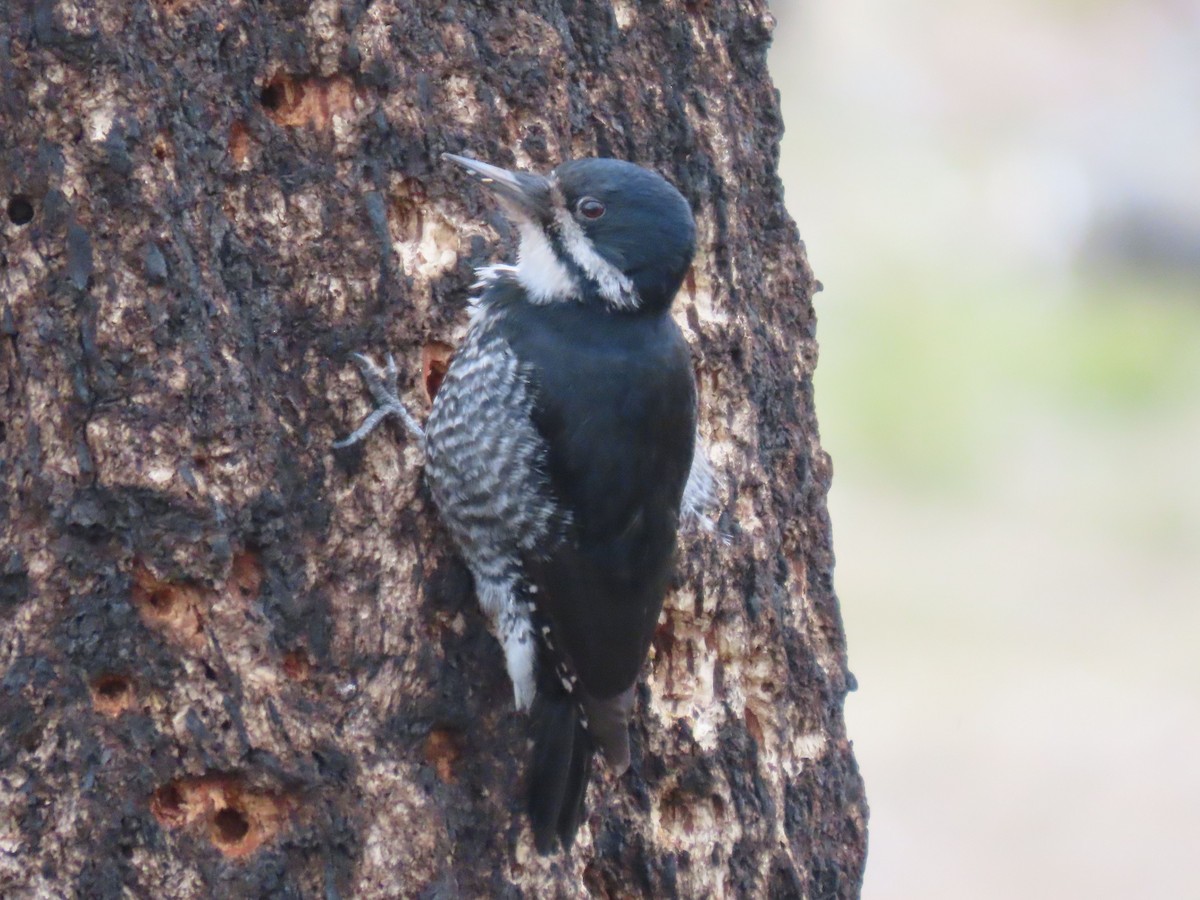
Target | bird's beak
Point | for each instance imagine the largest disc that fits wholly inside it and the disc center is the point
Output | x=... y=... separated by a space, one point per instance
x=523 y=195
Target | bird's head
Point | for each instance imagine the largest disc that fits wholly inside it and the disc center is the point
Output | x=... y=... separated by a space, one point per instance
x=595 y=230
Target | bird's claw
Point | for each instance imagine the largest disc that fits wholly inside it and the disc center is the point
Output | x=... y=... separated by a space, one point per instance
x=384 y=388
x=381 y=382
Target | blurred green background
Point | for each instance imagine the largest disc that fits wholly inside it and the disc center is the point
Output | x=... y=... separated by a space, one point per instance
x=1003 y=202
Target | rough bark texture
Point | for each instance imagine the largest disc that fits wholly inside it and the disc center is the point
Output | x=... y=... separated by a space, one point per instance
x=235 y=663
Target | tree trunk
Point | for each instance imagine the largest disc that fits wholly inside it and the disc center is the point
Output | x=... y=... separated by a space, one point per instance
x=236 y=663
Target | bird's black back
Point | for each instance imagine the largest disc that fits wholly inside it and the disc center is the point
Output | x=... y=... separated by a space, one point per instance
x=614 y=399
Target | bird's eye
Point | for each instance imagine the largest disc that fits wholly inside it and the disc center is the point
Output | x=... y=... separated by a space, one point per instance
x=590 y=208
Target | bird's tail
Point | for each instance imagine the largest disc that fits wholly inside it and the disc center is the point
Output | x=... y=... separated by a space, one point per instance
x=560 y=769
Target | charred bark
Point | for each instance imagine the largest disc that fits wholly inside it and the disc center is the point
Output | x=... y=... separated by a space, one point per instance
x=236 y=663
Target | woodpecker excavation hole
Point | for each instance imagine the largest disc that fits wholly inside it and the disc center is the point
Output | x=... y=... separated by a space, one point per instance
x=162 y=600
x=246 y=575
x=111 y=687
x=20 y=210
x=239 y=140
x=408 y=209
x=311 y=102
x=112 y=694
x=443 y=748
x=171 y=608
x=167 y=805
x=296 y=665
x=435 y=362
x=236 y=818
x=229 y=827
x=175 y=7
x=273 y=95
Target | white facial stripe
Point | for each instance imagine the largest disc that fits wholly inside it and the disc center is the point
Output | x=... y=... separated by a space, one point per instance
x=540 y=272
x=614 y=287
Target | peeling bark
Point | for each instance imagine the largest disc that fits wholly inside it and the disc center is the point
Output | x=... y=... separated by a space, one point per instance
x=236 y=663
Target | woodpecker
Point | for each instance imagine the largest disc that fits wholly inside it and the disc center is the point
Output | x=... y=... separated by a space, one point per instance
x=560 y=453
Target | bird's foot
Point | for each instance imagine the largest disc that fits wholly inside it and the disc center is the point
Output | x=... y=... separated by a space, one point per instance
x=382 y=383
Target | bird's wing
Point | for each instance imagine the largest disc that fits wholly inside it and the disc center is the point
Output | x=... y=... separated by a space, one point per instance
x=617 y=415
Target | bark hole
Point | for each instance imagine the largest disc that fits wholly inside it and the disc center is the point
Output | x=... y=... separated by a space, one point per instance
x=246 y=577
x=237 y=820
x=435 y=360
x=312 y=102
x=442 y=750
x=20 y=209
x=230 y=826
x=172 y=609
x=296 y=665
x=167 y=805
x=239 y=141
x=273 y=95
x=112 y=694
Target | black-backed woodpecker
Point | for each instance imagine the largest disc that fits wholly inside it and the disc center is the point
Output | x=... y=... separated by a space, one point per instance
x=561 y=454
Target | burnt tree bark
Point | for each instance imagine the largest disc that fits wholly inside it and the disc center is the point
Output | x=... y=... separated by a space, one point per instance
x=235 y=663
